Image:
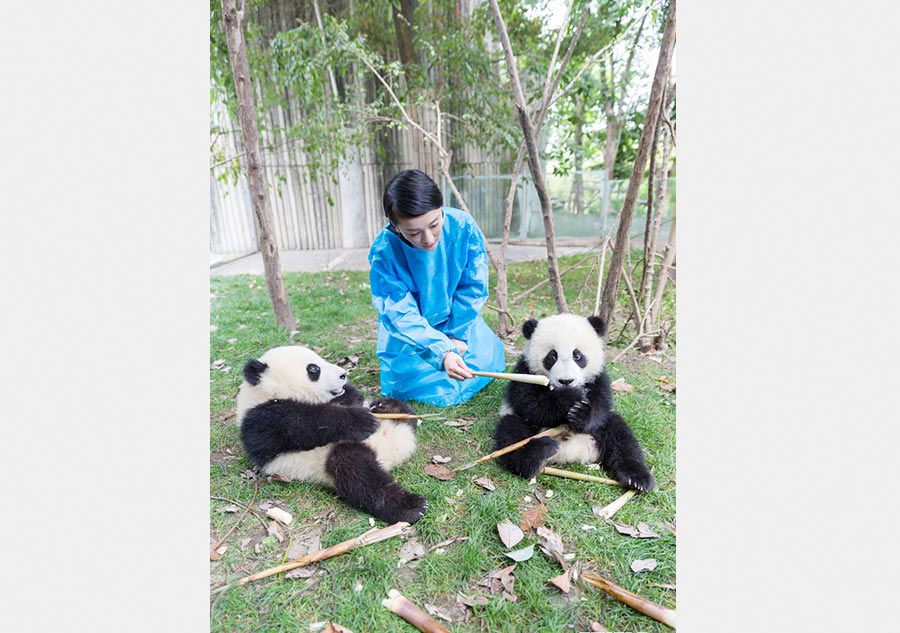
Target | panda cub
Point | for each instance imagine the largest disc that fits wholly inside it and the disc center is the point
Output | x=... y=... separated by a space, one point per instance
x=301 y=419
x=568 y=349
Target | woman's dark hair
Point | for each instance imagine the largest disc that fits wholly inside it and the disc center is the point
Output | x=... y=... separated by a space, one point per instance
x=410 y=193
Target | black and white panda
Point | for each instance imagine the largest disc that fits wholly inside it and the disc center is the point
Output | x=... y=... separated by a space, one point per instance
x=301 y=419
x=569 y=350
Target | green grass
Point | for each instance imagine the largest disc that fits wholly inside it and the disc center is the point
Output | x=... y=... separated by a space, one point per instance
x=337 y=319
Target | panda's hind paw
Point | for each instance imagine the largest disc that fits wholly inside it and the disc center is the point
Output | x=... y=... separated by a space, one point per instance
x=640 y=481
x=405 y=506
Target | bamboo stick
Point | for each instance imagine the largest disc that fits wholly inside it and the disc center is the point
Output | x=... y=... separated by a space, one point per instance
x=368 y=538
x=404 y=416
x=647 y=607
x=531 y=379
x=568 y=474
x=557 y=430
x=397 y=603
x=606 y=512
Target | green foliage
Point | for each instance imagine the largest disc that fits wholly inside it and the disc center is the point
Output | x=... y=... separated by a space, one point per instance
x=336 y=317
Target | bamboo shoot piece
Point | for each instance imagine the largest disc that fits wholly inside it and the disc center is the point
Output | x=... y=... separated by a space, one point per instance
x=531 y=379
x=557 y=430
x=397 y=603
x=647 y=607
x=404 y=416
x=606 y=512
x=368 y=538
x=568 y=474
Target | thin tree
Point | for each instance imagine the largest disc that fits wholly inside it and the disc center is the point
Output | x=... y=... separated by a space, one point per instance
x=262 y=211
x=623 y=241
x=534 y=161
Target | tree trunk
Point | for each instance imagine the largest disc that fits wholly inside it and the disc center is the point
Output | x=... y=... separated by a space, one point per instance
x=623 y=243
x=237 y=50
x=534 y=161
x=578 y=177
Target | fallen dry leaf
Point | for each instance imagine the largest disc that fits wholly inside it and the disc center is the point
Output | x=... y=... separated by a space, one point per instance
x=562 y=582
x=506 y=578
x=641 y=531
x=521 y=555
x=644 y=531
x=669 y=387
x=552 y=545
x=596 y=627
x=485 y=483
x=301 y=572
x=619 y=384
x=639 y=565
x=306 y=544
x=331 y=627
x=439 y=472
x=436 y=612
x=411 y=550
x=276 y=530
x=440 y=459
x=533 y=518
x=509 y=533
x=475 y=601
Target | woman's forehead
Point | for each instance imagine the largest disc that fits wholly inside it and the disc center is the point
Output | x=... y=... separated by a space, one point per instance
x=420 y=221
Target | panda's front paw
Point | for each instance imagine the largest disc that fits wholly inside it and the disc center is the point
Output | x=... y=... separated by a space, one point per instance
x=362 y=425
x=390 y=405
x=579 y=414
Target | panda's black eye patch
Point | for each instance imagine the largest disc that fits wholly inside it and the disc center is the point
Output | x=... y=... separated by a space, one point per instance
x=313 y=371
x=550 y=359
x=579 y=358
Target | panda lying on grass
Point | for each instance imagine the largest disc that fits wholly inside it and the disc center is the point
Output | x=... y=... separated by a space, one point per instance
x=568 y=349
x=301 y=419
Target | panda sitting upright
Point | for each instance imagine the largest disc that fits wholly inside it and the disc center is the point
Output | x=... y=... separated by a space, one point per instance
x=301 y=419
x=568 y=349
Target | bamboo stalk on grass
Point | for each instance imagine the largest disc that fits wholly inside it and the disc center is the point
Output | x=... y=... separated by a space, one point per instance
x=645 y=606
x=606 y=512
x=397 y=603
x=555 y=431
x=368 y=538
x=568 y=474
x=404 y=416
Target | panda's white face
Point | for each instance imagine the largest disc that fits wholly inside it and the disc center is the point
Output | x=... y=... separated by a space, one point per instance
x=289 y=372
x=567 y=349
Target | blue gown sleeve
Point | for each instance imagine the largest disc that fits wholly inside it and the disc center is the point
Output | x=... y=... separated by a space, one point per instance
x=400 y=315
x=472 y=292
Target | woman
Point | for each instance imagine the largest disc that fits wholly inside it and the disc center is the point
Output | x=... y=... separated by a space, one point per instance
x=429 y=278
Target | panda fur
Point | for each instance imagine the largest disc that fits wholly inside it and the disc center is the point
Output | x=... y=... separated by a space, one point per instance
x=301 y=419
x=568 y=349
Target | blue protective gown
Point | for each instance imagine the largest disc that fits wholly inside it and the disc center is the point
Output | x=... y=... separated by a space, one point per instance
x=422 y=298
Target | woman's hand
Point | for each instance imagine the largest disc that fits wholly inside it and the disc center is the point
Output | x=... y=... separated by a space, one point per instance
x=460 y=346
x=456 y=367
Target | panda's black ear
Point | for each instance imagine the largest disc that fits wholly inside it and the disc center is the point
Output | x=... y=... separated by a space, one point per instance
x=253 y=371
x=528 y=327
x=598 y=324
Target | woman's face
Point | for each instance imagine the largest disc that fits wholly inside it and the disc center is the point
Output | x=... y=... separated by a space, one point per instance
x=423 y=231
